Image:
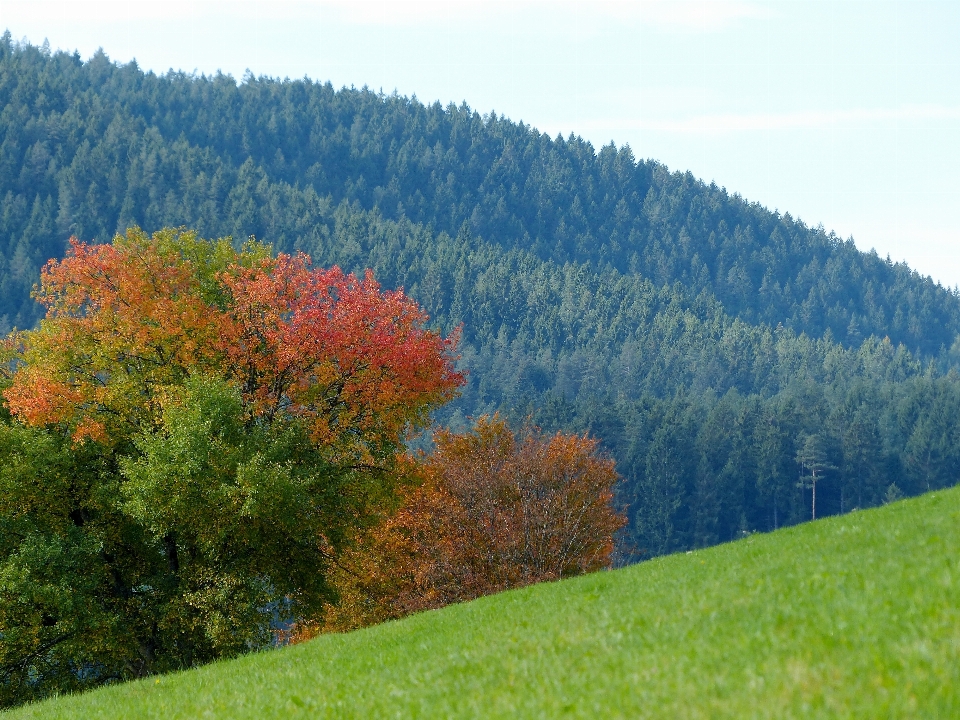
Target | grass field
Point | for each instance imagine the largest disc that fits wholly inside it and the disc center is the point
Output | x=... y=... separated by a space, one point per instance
x=853 y=616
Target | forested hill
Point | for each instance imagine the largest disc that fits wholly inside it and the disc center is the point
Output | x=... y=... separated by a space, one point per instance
x=718 y=351
x=89 y=148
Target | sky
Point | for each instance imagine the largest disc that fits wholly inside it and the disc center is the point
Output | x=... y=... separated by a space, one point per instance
x=845 y=114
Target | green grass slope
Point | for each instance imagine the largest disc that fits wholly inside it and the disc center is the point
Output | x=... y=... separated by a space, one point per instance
x=853 y=616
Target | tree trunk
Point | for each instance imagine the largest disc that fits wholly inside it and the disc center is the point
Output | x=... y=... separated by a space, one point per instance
x=814 y=507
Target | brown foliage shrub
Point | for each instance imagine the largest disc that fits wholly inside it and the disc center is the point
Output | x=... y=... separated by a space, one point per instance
x=488 y=511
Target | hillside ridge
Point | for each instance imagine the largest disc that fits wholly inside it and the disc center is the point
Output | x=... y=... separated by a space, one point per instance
x=89 y=148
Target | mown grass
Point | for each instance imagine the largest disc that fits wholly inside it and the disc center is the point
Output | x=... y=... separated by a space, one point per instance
x=853 y=616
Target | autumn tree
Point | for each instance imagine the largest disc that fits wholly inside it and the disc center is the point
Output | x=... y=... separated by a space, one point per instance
x=193 y=434
x=493 y=510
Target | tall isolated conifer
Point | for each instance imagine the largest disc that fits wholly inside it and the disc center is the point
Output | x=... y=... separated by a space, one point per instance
x=195 y=432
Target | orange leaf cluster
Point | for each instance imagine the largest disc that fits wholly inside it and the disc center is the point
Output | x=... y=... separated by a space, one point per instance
x=128 y=322
x=492 y=511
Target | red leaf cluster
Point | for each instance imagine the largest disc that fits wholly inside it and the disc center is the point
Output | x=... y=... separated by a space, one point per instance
x=332 y=348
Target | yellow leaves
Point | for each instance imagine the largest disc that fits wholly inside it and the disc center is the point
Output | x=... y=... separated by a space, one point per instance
x=236 y=410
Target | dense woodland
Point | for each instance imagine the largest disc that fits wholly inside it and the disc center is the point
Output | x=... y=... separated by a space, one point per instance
x=725 y=355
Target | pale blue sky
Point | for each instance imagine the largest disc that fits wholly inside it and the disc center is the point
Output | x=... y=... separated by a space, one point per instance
x=842 y=113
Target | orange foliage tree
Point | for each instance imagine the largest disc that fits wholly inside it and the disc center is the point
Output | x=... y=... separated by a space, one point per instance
x=127 y=321
x=216 y=425
x=491 y=511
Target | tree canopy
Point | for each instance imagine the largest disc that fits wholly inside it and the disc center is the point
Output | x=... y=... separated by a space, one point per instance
x=196 y=432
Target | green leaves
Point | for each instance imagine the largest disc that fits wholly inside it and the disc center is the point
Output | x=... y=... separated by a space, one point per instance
x=114 y=566
x=223 y=499
x=53 y=581
x=219 y=480
x=184 y=468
